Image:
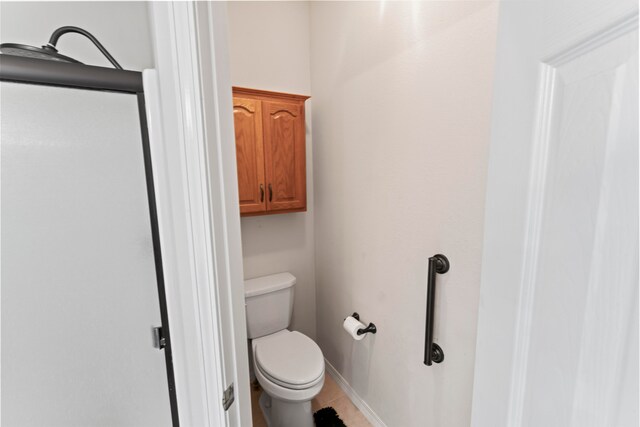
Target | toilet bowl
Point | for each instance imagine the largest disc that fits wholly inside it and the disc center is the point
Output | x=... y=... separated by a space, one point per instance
x=290 y=369
x=288 y=365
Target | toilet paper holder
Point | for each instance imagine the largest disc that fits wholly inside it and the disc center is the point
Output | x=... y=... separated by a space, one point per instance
x=371 y=329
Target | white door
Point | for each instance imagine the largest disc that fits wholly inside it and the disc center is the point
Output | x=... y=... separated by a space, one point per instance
x=79 y=290
x=558 y=325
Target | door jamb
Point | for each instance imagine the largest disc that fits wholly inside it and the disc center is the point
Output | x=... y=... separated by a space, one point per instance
x=191 y=132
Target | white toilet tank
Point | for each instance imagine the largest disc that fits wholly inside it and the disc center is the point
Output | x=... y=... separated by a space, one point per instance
x=269 y=303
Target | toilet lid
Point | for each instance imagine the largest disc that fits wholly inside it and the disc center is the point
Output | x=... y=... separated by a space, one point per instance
x=290 y=358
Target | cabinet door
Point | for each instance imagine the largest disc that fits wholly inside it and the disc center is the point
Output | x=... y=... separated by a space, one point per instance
x=284 y=145
x=249 y=154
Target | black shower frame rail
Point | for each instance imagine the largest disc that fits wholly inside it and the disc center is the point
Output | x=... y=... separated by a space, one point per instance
x=80 y=76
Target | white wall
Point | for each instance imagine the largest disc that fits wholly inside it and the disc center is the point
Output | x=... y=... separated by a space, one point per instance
x=269 y=49
x=402 y=95
x=122 y=27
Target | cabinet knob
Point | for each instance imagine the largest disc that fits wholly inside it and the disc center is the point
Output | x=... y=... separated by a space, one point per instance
x=270 y=193
x=261 y=193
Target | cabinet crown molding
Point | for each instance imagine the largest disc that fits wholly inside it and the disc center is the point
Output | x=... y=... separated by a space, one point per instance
x=261 y=94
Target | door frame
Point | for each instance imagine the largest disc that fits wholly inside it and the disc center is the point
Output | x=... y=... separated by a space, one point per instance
x=190 y=120
x=24 y=70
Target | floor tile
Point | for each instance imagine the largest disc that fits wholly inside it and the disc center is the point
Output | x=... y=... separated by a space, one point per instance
x=256 y=412
x=330 y=391
x=348 y=413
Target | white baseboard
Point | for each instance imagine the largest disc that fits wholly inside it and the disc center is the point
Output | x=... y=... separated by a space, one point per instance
x=366 y=410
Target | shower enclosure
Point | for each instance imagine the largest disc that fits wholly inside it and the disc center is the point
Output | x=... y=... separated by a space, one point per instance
x=82 y=280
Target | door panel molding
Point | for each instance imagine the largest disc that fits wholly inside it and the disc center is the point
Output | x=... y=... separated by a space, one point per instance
x=542 y=139
x=597 y=39
x=554 y=66
x=541 y=142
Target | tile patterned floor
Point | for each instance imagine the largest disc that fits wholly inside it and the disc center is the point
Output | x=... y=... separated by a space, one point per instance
x=330 y=395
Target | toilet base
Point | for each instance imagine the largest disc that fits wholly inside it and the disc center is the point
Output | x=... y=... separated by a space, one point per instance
x=278 y=413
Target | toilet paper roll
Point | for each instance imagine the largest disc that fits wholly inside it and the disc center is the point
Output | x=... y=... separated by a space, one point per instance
x=351 y=325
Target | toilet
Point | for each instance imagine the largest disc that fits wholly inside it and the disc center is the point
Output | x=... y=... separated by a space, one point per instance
x=288 y=365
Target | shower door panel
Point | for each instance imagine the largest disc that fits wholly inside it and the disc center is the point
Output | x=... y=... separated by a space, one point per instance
x=79 y=289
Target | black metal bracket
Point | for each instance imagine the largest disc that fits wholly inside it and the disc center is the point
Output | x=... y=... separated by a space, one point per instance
x=371 y=329
x=438 y=264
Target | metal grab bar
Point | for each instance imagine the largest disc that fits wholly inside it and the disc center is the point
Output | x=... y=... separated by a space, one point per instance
x=438 y=264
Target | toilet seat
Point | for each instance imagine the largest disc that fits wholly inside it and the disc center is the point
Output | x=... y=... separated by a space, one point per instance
x=291 y=360
x=281 y=383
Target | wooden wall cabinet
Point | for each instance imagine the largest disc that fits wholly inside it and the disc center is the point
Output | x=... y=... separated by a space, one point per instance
x=270 y=151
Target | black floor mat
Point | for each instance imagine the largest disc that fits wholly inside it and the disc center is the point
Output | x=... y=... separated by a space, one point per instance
x=328 y=417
